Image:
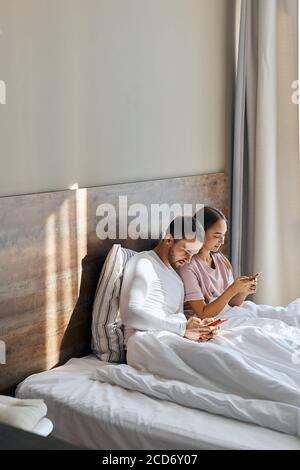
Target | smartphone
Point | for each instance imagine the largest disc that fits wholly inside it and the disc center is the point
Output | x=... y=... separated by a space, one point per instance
x=255 y=276
x=217 y=322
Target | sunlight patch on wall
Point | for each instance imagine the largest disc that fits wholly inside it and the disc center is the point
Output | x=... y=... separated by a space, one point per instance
x=50 y=288
x=81 y=229
x=65 y=258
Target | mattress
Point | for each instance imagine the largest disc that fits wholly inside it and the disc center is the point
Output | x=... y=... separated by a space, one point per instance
x=97 y=415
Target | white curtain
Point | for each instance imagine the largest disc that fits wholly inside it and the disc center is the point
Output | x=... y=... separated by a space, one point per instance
x=265 y=209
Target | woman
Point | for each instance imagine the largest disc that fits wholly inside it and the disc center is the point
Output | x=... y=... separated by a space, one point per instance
x=210 y=289
x=208 y=279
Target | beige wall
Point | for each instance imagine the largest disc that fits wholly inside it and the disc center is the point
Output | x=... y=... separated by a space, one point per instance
x=107 y=91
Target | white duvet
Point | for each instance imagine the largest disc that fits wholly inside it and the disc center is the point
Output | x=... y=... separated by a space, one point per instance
x=250 y=371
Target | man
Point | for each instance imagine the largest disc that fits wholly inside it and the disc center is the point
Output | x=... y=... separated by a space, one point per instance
x=152 y=292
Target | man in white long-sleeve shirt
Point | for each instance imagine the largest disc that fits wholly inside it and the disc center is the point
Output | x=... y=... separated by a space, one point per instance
x=152 y=292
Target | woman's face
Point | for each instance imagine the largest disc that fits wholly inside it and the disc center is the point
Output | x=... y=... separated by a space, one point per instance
x=215 y=236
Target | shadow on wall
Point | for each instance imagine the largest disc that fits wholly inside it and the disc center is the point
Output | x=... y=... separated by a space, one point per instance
x=52 y=259
x=77 y=337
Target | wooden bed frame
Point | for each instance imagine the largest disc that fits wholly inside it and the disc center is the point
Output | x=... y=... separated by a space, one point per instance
x=51 y=258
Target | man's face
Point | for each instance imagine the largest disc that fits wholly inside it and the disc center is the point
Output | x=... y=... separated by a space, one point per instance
x=182 y=251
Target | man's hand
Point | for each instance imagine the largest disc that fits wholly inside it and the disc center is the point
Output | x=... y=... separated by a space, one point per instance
x=198 y=330
x=213 y=330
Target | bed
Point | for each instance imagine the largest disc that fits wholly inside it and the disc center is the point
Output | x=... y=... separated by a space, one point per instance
x=53 y=260
x=102 y=416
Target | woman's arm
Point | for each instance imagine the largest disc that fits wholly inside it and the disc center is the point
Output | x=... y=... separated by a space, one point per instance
x=203 y=310
x=241 y=287
x=237 y=300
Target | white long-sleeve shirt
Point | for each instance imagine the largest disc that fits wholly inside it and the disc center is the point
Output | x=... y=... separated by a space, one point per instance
x=152 y=296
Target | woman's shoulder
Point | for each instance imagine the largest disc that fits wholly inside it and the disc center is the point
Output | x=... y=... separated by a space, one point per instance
x=188 y=267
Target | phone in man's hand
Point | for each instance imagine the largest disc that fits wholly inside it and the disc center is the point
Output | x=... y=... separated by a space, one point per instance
x=217 y=322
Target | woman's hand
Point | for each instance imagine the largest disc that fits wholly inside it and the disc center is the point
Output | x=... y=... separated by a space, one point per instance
x=253 y=287
x=244 y=285
x=198 y=330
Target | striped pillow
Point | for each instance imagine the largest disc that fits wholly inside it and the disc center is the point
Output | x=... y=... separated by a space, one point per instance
x=107 y=331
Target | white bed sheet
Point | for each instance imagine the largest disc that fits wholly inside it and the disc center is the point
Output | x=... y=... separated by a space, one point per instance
x=97 y=415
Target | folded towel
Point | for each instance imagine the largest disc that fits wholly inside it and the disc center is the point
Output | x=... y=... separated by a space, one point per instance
x=44 y=427
x=22 y=413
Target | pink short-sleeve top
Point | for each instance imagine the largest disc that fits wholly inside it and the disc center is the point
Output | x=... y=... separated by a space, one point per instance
x=202 y=282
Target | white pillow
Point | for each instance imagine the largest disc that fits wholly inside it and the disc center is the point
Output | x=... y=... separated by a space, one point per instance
x=107 y=331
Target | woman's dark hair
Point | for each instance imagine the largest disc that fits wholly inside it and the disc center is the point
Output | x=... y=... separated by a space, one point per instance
x=185 y=228
x=208 y=216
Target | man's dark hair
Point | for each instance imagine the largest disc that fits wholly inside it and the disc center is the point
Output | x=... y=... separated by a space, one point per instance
x=186 y=228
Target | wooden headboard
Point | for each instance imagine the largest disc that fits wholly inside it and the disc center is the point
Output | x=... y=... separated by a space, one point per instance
x=51 y=257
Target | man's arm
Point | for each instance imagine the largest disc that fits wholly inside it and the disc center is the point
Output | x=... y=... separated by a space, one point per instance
x=135 y=312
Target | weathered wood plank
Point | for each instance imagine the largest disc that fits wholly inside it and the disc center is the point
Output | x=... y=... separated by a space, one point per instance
x=51 y=257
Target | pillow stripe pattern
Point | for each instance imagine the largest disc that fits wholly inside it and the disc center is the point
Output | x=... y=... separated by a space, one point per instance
x=118 y=327
x=100 y=330
x=111 y=338
x=99 y=322
x=107 y=331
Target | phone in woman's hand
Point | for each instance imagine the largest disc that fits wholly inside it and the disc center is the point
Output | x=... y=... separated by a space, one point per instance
x=217 y=322
x=252 y=278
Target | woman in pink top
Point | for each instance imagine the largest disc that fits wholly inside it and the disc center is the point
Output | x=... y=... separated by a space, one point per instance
x=208 y=280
